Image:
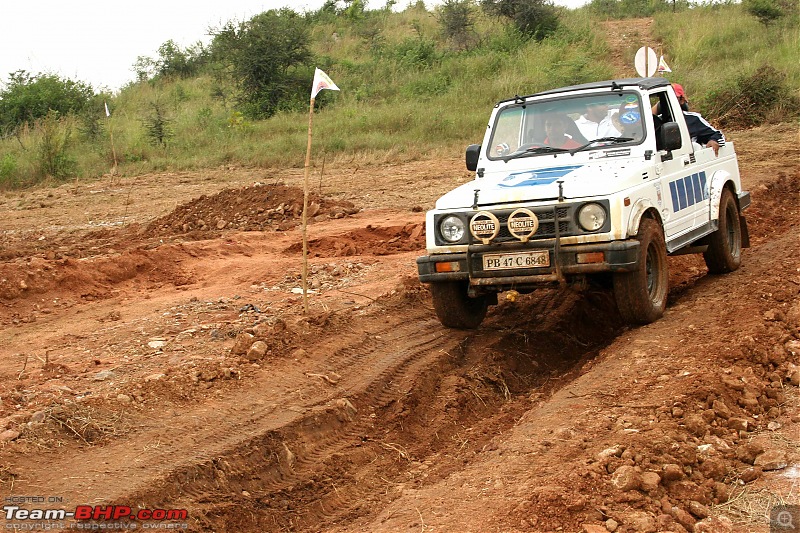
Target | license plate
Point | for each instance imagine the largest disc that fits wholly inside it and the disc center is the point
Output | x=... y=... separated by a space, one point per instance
x=534 y=259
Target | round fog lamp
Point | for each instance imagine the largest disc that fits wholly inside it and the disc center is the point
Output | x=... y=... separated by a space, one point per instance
x=452 y=228
x=591 y=217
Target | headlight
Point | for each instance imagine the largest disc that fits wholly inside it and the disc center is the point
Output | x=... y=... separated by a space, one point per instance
x=452 y=228
x=591 y=217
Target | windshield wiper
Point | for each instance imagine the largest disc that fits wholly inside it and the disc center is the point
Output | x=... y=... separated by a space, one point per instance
x=612 y=140
x=535 y=150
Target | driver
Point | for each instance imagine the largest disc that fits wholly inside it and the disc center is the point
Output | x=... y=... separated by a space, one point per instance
x=556 y=128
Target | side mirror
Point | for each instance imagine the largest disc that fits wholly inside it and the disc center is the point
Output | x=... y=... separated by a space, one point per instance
x=472 y=156
x=671 y=136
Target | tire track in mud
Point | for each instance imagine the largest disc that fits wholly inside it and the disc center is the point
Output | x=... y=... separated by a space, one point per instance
x=211 y=431
x=359 y=439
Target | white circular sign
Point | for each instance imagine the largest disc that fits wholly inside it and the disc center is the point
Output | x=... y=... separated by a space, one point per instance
x=646 y=62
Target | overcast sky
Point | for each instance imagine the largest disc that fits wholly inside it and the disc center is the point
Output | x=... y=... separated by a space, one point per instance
x=97 y=42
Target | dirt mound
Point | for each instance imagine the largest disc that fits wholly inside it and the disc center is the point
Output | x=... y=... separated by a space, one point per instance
x=775 y=207
x=371 y=240
x=255 y=208
x=88 y=278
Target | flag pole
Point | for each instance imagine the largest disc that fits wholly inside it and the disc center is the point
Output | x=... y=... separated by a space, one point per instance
x=113 y=149
x=305 y=209
x=321 y=81
x=111 y=135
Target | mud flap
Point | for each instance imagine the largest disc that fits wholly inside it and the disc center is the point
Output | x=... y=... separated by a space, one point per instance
x=745 y=232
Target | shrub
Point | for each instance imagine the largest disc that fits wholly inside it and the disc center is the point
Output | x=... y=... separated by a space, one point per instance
x=770 y=11
x=28 y=98
x=534 y=18
x=415 y=53
x=456 y=19
x=53 y=158
x=269 y=57
x=157 y=125
x=8 y=166
x=751 y=100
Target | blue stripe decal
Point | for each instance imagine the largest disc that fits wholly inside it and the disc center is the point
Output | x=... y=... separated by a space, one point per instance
x=674 y=192
x=688 y=190
x=687 y=181
x=537 y=177
x=681 y=193
x=703 y=184
x=698 y=191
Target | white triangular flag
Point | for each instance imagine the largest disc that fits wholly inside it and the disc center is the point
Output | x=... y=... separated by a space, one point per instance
x=108 y=113
x=662 y=65
x=322 y=81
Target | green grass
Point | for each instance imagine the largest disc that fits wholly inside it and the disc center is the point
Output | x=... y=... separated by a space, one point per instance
x=711 y=47
x=405 y=93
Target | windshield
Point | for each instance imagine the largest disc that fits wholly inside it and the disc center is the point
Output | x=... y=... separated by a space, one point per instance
x=566 y=123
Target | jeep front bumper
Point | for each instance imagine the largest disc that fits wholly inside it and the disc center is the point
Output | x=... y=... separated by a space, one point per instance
x=564 y=262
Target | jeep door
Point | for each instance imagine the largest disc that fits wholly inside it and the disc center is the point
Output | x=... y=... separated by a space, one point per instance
x=681 y=203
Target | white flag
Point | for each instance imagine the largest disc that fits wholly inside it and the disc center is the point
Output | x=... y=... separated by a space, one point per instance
x=108 y=113
x=662 y=65
x=321 y=81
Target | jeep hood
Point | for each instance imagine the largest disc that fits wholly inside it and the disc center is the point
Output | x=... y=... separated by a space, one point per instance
x=580 y=180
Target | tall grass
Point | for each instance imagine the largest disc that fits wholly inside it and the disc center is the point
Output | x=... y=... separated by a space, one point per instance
x=405 y=92
x=713 y=46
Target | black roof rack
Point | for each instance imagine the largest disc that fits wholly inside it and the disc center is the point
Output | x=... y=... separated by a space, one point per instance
x=644 y=83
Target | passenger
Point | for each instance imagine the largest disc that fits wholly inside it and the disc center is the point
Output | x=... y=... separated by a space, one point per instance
x=701 y=132
x=557 y=137
x=596 y=122
x=628 y=121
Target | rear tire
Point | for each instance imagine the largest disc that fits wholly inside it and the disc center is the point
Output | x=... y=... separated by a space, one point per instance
x=641 y=295
x=724 y=253
x=455 y=308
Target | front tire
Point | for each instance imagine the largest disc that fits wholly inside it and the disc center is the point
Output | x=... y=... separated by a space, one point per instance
x=454 y=307
x=724 y=253
x=641 y=295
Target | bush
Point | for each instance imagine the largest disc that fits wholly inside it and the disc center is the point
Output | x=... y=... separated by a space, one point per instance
x=456 y=19
x=158 y=125
x=534 y=18
x=755 y=99
x=417 y=53
x=8 y=166
x=429 y=85
x=768 y=11
x=269 y=57
x=28 y=98
x=53 y=158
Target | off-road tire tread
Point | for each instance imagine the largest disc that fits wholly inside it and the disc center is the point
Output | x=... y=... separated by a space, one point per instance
x=718 y=256
x=454 y=308
x=630 y=288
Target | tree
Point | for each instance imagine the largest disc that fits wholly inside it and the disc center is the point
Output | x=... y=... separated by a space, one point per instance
x=269 y=60
x=767 y=11
x=533 y=18
x=173 y=61
x=28 y=98
x=457 y=22
x=158 y=125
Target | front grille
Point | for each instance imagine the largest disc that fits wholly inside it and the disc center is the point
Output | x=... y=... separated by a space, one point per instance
x=565 y=215
x=547 y=223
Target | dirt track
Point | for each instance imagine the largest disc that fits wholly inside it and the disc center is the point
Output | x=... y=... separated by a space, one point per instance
x=123 y=306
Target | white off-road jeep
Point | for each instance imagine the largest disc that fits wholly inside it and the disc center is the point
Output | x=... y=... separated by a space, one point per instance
x=583 y=205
